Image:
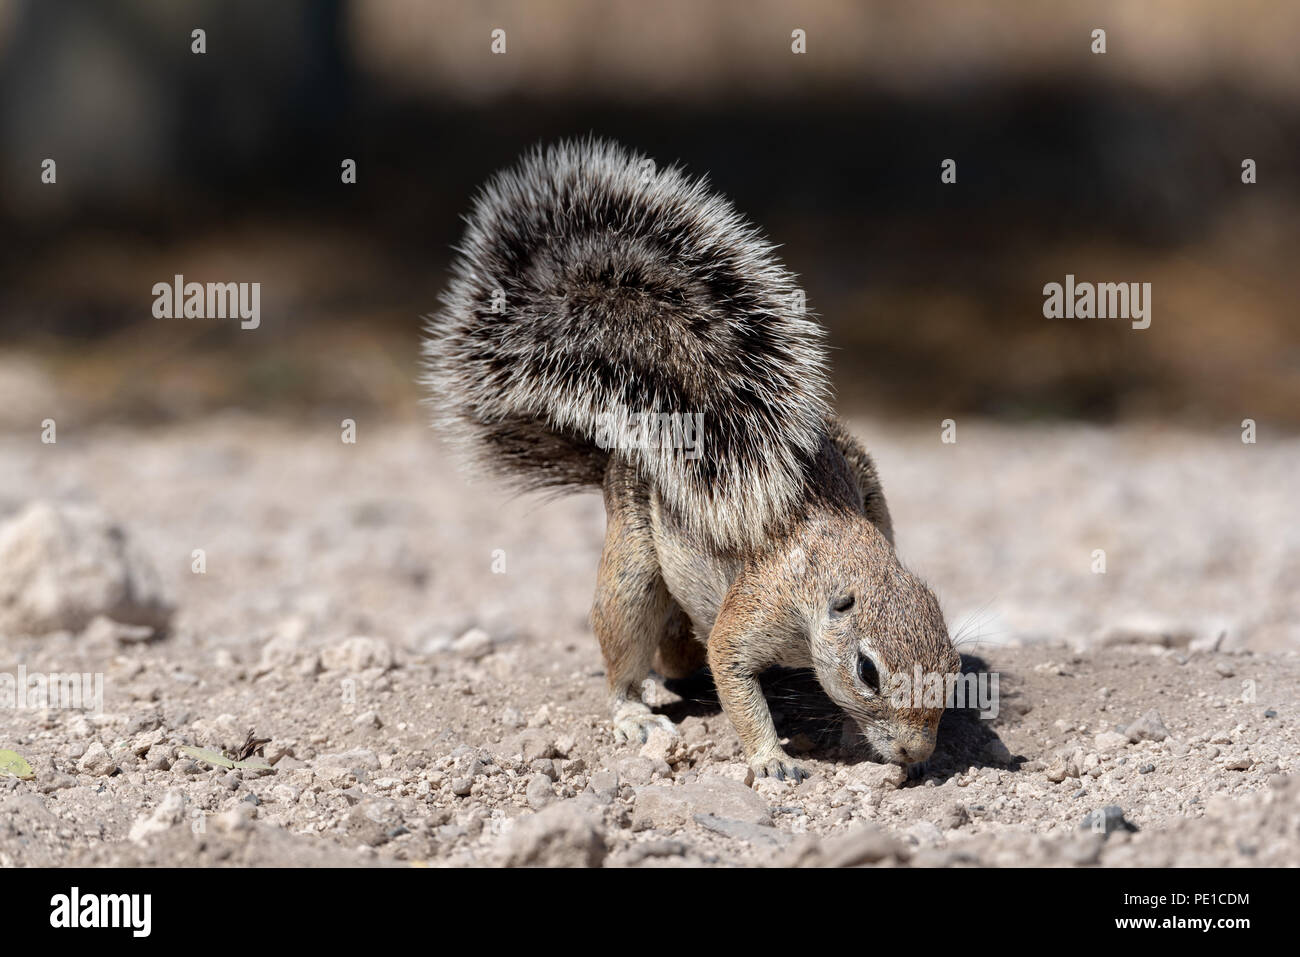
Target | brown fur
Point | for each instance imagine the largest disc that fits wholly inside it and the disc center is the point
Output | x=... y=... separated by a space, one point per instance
x=660 y=588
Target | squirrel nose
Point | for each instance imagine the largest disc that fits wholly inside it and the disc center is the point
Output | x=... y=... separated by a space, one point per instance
x=912 y=751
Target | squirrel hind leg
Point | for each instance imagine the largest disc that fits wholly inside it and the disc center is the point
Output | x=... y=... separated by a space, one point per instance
x=630 y=609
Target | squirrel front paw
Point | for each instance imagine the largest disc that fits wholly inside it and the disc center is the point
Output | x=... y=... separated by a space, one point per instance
x=633 y=722
x=777 y=764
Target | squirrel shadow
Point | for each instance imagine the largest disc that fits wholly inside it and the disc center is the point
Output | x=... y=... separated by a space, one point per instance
x=815 y=725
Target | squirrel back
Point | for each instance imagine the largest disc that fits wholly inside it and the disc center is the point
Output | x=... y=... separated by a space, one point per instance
x=590 y=286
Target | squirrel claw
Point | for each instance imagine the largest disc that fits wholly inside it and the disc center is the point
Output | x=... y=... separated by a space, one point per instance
x=779 y=766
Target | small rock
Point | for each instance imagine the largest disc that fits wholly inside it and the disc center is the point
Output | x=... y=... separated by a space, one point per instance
x=363 y=758
x=529 y=745
x=604 y=785
x=62 y=565
x=97 y=762
x=158 y=758
x=105 y=630
x=145 y=721
x=1106 y=820
x=865 y=844
x=955 y=816
x=875 y=776
x=661 y=745
x=372 y=821
x=169 y=812
x=659 y=806
x=637 y=769
x=1149 y=727
x=540 y=792
x=144 y=742
x=357 y=654
x=285 y=794
x=566 y=834
x=473 y=645
x=546 y=767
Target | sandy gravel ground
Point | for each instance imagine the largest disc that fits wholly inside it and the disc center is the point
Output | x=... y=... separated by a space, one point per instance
x=415 y=649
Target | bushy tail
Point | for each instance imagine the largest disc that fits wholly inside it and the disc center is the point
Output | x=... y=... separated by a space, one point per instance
x=591 y=288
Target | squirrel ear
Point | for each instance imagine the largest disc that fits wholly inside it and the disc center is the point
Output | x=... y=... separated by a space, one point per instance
x=842 y=605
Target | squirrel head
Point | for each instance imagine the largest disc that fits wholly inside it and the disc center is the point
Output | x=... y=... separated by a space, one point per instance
x=879 y=643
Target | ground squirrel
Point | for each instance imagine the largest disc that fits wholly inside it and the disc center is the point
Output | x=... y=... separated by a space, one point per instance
x=746 y=528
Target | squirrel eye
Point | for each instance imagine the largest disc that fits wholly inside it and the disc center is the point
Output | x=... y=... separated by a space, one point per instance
x=842 y=605
x=867 y=672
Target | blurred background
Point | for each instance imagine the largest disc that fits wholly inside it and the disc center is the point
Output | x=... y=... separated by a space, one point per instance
x=226 y=166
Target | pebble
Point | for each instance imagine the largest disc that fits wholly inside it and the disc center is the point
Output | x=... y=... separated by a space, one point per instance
x=540 y=792
x=358 y=653
x=637 y=769
x=1106 y=820
x=473 y=645
x=545 y=766
x=954 y=816
x=604 y=785
x=97 y=762
x=529 y=745
x=1149 y=727
x=169 y=812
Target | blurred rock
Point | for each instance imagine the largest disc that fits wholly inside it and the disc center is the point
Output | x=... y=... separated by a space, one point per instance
x=658 y=806
x=357 y=654
x=63 y=565
x=567 y=834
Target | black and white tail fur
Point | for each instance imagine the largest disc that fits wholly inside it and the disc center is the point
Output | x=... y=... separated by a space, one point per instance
x=588 y=282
